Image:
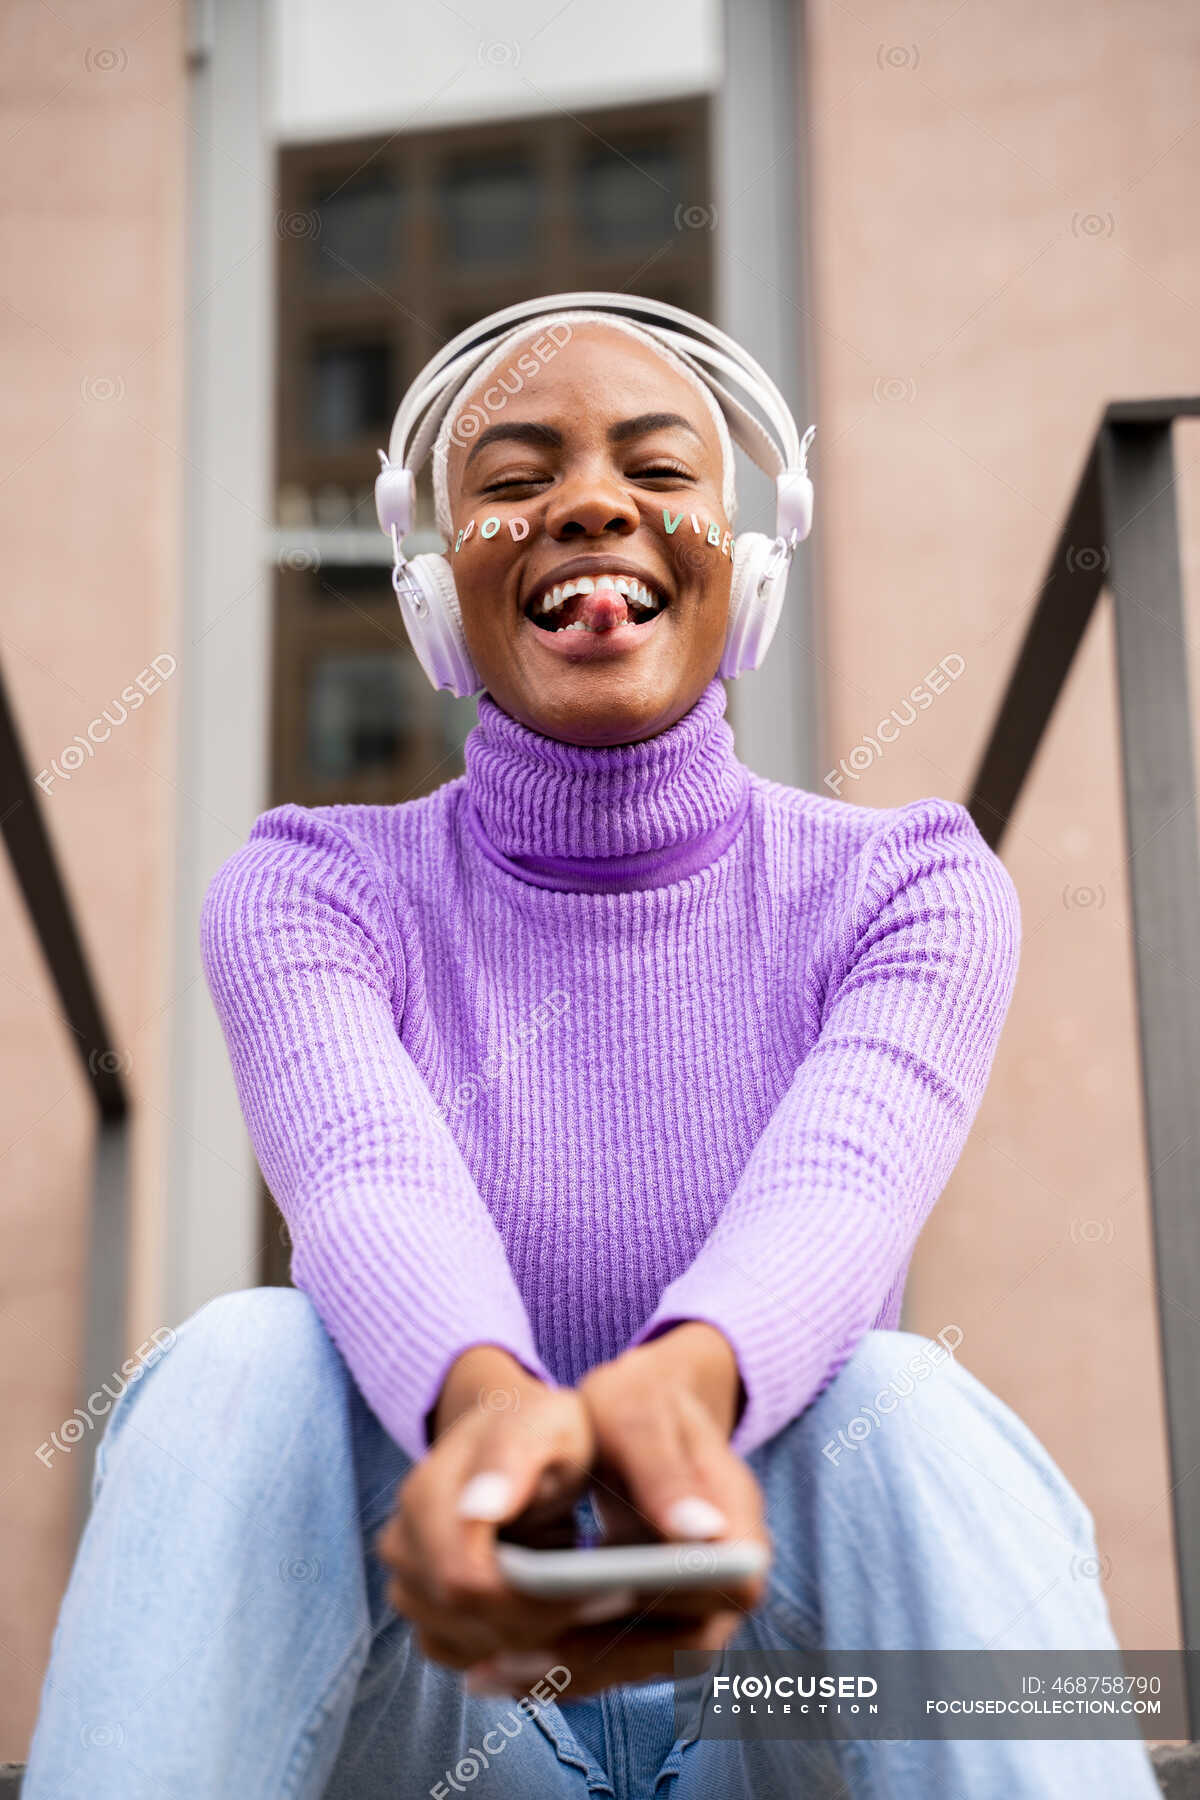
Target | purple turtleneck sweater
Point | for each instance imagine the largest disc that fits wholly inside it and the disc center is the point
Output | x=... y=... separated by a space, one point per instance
x=591 y=1041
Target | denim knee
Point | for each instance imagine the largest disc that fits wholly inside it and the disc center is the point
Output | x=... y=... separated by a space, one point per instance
x=279 y=1327
x=901 y=1397
x=252 y=1361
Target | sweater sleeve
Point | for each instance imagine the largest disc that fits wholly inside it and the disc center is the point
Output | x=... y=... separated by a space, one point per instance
x=820 y=1226
x=391 y=1239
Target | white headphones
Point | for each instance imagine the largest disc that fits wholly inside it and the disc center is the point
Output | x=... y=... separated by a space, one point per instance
x=425 y=586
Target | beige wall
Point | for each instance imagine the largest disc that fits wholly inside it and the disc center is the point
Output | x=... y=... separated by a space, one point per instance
x=1003 y=241
x=91 y=358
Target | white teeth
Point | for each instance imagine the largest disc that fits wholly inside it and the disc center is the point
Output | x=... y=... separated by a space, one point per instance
x=636 y=594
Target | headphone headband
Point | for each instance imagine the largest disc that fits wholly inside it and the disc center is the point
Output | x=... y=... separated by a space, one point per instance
x=699 y=343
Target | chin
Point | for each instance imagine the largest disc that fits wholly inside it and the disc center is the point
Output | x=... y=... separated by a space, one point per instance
x=591 y=705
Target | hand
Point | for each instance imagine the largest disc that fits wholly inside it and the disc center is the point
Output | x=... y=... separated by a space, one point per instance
x=661 y=1416
x=524 y=1466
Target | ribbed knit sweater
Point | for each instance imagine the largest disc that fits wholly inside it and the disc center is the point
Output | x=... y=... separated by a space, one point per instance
x=594 y=1040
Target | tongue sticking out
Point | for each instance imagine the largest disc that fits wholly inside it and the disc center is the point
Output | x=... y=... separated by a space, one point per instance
x=601 y=610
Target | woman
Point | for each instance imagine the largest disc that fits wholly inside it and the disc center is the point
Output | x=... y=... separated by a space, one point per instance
x=605 y=1092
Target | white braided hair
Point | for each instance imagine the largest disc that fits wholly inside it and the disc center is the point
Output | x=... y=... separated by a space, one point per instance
x=504 y=350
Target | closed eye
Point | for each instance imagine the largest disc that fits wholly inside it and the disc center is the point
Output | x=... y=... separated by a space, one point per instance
x=656 y=471
x=497 y=487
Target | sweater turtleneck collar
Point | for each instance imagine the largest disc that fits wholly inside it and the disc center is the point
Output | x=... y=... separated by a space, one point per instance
x=605 y=818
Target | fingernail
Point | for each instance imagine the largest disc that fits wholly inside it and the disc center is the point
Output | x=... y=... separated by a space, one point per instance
x=485 y=1496
x=695 y=1518
x=607 y=1606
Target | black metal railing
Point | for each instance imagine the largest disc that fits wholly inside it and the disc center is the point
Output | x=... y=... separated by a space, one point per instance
x=1121 y=534
x=53 y=918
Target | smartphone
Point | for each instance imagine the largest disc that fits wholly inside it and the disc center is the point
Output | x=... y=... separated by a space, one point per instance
x=570 y=1574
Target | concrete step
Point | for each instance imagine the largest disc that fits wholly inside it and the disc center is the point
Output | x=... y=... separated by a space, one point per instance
x=1178 y=1774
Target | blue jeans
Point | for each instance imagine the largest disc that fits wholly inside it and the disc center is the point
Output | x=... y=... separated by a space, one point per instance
x=225 y=1631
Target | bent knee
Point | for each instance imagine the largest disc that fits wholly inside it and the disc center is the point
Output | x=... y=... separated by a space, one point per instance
x=905 y=1357
x=888 y=1371
x=901 y=1399
x=263 y=1313
x=263 y=1341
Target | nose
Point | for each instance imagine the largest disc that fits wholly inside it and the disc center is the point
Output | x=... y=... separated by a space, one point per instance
x=591 y=503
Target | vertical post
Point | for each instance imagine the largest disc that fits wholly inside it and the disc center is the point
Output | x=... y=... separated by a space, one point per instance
x=1137 y=477
x=104 y=1319
x=762 y=300
x=222 y=689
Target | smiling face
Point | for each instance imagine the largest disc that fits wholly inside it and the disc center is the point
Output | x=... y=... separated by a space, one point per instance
x=604 y=448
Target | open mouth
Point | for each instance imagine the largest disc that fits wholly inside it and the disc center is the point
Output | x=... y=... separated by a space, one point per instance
x=595 y=603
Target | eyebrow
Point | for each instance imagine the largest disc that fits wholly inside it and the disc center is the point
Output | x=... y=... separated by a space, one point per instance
x=530 y=432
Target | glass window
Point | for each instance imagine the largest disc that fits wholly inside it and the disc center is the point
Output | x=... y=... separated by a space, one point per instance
x=353 y=227
x=358 y=707
x=623 y=200
x=350 y=392
x=354 y=584
x=490 y=209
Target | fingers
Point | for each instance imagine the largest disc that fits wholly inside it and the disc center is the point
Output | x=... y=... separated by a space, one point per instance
x=665 y=1462
x=487 y=1471
x=683 y=1475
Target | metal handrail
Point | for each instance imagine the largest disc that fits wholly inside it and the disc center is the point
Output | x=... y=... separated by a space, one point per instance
x=1121 y=534
x=53 y=918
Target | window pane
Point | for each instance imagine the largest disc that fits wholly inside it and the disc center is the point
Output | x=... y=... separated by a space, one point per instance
x=490 y=209
x=351 y=584
x=628 y=200
x=354 y=226
x=359 y=707
x=350 y=391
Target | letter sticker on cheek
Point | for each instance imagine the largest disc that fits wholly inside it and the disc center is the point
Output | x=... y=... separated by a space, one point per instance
x=712 y=534
x=518 y=528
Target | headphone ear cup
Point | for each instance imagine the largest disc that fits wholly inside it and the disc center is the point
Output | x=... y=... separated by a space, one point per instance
x=754 y=608
x=433 y=619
